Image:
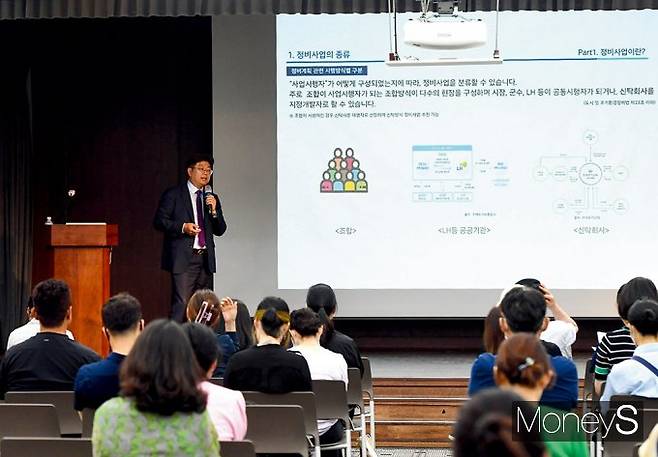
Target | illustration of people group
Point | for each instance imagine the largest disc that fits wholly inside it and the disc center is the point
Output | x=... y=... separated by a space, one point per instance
x=344 y=173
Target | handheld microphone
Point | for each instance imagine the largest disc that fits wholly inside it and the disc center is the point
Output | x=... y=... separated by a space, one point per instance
x=207 y=189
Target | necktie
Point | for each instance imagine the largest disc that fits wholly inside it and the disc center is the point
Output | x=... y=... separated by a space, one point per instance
x=201 y=222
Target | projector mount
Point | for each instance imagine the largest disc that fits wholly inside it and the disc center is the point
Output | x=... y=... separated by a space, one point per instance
x=432 y=12
x=443 y=8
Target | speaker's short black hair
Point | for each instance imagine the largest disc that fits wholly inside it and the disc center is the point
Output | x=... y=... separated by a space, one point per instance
x=524 y=309
x=196 y=158
x=52 y=300
x=122 y=312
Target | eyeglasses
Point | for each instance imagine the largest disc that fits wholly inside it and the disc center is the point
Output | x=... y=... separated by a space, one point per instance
x=204 y=171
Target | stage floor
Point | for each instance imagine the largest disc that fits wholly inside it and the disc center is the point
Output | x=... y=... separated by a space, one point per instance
x=434 y=365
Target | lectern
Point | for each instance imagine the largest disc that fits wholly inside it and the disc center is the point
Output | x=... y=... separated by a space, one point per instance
x=80 y=254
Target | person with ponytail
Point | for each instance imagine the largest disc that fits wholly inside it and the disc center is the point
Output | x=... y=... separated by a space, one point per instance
x=485 y=427
x=204 y=307
x=306 y=330
x=639 y=374
x=322 y=299
x=268 y=367
x=524 y=367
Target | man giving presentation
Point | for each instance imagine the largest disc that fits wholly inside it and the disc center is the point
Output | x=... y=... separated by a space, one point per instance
x=189 y=215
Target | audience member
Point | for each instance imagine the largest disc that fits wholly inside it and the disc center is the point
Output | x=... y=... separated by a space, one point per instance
x=226 y=407
x=161 y=410
x=562 y=330
x=493 y=336
x=206 y=308
x=27 y=331
x=268 y=367
x=485 y=427
x=524 y=310
x=99 y=381
x=618 y=345
x=49 y=360
x=523 y=366
x=244 y=325
x=306 y=330
x=322 y=299
x=639 y=374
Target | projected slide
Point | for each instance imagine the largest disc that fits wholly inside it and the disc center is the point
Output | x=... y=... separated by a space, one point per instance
x=467 y=177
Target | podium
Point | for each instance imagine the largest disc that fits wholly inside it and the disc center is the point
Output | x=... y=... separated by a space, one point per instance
x=81 y=254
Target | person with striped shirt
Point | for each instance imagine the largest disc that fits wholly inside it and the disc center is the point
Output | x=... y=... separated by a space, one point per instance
x=638 y=375
x=618 y=345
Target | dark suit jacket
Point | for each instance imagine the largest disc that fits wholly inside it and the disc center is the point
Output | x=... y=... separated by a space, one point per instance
x=175 y=209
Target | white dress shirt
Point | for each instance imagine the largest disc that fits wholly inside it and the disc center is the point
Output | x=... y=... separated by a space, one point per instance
x=562 y=334
x=193 y=189
x=27 y=331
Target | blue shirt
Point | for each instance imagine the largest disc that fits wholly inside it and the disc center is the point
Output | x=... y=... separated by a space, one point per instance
x=562 y=395
x=630 y=377
x=228 y=344
x=97 y=382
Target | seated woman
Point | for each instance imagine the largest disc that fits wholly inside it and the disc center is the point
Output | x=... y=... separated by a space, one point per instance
x=160 y=410
x=618 y=345
x=244 y=325
x=639 y=374
x=204 y=307
x=524 y=367
x=268 y=367
x=225 y=406
x=485 y=428
x=306 y=330
x=322 y=299
x=493 y=336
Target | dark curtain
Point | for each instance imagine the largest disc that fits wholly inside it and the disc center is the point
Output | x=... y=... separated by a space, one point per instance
x=14 y=9
x=16 y=191
x=117 y=106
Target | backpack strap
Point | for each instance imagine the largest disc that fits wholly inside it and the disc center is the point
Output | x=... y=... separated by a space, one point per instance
x=644 y=362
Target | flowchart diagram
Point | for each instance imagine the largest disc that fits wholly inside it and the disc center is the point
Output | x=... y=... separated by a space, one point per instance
x=586 y=175
x=450 y=173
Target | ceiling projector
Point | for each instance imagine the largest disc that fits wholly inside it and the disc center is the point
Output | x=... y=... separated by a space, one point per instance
x=460 y=34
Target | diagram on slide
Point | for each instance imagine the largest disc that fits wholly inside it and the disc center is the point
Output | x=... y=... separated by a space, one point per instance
x=587 y=174
x=343 y=173
x=449 y=173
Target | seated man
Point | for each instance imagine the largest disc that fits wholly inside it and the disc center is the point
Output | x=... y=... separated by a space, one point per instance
x=639 y=374
x=563 y=329
x=99 y=381
x=49 y=360
x=24 y=332
x=524 y=310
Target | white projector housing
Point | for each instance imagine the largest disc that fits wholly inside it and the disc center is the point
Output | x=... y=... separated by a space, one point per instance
x=445 y=34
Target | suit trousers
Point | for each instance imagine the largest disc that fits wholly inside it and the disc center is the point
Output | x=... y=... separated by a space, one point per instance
x=197 y=276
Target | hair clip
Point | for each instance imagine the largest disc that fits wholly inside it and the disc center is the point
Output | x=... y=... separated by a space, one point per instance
x=529 y=361
x=204 y=315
